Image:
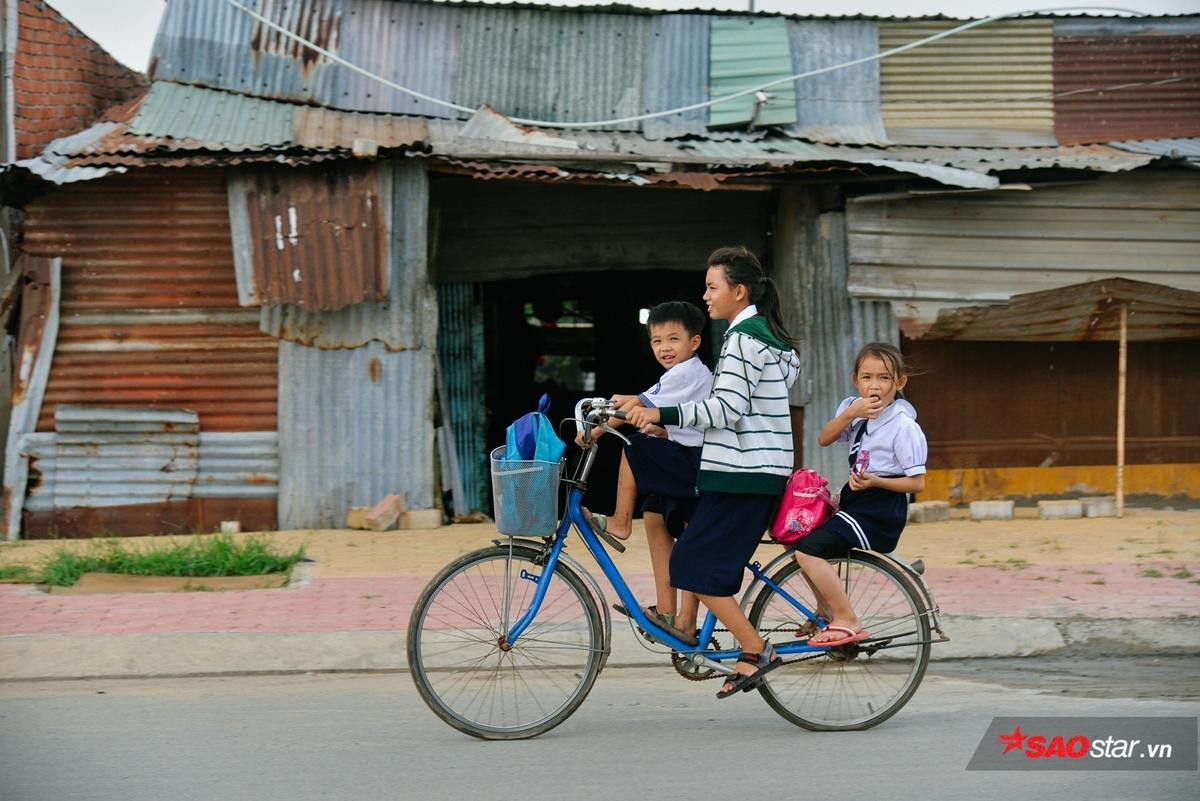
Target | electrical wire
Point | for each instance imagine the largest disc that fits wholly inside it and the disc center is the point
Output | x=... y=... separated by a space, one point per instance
x=681 y=109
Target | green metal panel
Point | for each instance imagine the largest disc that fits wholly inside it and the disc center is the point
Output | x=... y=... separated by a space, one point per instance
x=744 y=53
x=192 y=112
x=460 y=351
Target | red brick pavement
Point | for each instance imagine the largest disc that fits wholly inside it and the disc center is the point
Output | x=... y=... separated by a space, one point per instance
x=384 y=603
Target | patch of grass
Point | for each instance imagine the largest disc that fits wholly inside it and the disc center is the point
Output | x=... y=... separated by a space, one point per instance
x=218 y=555
x=1183 y=572
x=1099 y=581
x=1151 y=573
x=17 y=573
x=1090 y=572
x=1011 y=564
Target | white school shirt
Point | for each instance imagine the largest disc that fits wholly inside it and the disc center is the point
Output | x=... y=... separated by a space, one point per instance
x=895 y=442
x=687 y=381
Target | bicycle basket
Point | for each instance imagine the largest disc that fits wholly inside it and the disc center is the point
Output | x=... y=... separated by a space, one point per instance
x=525 y=494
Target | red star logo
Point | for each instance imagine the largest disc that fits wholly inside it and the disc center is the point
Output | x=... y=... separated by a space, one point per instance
x=1012 y=741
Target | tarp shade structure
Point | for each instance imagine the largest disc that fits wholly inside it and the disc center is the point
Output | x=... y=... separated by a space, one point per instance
x=1081 y=313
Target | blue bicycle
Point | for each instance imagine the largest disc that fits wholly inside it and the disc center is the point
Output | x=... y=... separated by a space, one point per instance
x=507 y=641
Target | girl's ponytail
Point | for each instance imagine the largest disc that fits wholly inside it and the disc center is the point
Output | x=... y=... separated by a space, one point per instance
x=742 y=267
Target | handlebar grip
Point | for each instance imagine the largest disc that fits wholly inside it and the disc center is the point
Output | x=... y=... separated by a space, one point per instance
x=617 y=413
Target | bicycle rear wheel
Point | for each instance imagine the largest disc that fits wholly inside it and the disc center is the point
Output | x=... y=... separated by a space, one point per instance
x=465 y=672
x=856 y=686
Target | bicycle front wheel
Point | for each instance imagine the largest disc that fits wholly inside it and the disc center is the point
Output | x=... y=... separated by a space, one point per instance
x=856 y=686
x=462 y=664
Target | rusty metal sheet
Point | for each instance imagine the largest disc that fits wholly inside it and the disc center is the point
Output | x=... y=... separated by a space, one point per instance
x=1150 y=78
x=314 y=238
x=35 y=348
x=149 y=301
x=1080 y=313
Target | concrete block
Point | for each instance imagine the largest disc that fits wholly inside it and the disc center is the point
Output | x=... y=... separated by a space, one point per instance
x=422 y=518
x=386 y=514
x=1059 y=510
x=356 y=517
x=1099 y=506
x=231 y=526
x=928 y=511
x=992 y=510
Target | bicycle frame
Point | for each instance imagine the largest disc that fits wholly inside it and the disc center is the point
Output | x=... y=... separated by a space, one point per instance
x=574 y=517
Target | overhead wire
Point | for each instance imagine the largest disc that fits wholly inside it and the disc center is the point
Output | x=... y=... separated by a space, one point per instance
x=467 y=110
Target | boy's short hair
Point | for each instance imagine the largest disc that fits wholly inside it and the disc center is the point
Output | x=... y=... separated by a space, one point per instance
x=678 y=311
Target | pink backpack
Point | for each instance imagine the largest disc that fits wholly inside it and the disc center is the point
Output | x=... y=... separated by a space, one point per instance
x=805 y=505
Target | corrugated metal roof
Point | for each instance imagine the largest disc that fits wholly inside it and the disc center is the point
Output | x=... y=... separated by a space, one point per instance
x=840 y=106
x=971 y=88
x=222 y=120
x=926 y=253
x=676 y=74
x=354 y=425
x=1171 y=148
x=1151 y=81
x=745 y=53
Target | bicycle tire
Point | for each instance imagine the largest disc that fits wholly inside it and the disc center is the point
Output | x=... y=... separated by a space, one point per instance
x=459 y=667
x=848 y=688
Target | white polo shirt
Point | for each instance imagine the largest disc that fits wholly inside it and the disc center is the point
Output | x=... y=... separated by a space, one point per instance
x=895 y=442
x=687 y=381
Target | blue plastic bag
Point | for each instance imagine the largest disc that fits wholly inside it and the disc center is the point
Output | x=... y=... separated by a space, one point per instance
x=532 y=437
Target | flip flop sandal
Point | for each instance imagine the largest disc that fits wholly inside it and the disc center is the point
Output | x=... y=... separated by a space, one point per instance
x=660 y=621
x=766 y=661
x=852 y=636
x=599 y=526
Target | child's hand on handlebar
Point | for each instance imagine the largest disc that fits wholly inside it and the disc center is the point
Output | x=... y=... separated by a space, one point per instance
x=640 y=416
x=585 y=440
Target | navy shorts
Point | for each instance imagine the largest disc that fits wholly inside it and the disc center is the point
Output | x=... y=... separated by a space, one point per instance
x=711 y=554
x=665 y=473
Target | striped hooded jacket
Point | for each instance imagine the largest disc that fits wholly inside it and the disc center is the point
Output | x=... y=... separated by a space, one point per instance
x=747 y=422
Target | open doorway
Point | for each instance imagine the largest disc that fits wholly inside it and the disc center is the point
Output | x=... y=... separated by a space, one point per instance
x=575 y=335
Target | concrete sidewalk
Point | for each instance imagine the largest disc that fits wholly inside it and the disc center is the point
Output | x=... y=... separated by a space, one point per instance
x=1006 y=588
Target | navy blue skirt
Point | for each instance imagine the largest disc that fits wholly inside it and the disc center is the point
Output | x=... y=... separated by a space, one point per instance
x=711 y=555
x=665 y=473
x=871 y=519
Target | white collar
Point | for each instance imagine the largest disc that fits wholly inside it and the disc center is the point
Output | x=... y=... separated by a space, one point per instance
x=894 y=409
x=744 y=314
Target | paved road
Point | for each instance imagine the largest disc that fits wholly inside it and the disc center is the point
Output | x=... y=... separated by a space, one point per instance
x=642 y=732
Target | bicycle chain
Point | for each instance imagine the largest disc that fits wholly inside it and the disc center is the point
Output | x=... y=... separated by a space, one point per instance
x=684 y=667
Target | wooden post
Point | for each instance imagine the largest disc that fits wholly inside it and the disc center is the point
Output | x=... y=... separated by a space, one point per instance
x=1121 y=357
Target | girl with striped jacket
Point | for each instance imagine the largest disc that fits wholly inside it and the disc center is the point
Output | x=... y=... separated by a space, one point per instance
x=747 y=453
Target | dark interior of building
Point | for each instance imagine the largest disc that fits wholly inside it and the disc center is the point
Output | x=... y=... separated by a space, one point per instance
x=575 y=335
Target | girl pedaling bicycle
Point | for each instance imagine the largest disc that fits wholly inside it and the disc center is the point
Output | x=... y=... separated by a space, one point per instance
x=747 y=452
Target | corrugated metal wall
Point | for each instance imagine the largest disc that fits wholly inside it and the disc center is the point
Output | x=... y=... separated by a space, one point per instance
x=552 y=65
x=356 y=407
x=460 y=354
x=315 y=235
x=354 y=425
x=676 y=74
x=991 y=85
x=149 y=307
x=745 y=53
x=1150 y=71
x=839 y=106
x=812 y=268
x=401 y=322
x=963 y=249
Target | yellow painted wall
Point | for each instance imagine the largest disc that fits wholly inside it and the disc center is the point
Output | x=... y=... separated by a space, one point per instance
x=976 y=484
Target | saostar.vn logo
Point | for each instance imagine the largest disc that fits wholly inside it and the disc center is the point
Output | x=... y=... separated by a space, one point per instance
x=1037 y=746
